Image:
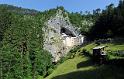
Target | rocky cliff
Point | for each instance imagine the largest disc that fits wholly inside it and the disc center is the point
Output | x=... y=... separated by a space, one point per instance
x=57 y=30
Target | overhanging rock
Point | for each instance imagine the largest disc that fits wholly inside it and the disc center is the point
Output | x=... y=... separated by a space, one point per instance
x=60 y=35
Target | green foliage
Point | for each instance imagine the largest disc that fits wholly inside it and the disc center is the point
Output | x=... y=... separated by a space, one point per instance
x=117 y=53
x=83 y=67
x=110 y=22
x=21 y=43
x=72 y=52
x=83 y=22
x=21 y=38
x=19 y=10
x=5 y=21
x=22 y=54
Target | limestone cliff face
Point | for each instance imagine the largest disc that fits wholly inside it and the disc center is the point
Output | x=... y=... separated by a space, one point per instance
x=60 y=35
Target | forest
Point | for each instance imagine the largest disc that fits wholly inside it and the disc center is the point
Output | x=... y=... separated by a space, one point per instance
x=21 y=37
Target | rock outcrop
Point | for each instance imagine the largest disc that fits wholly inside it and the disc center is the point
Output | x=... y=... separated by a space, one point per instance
x=60 y=35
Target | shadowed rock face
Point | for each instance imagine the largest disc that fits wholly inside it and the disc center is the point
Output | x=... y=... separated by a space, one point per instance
x=67 y=32
x=53 y=38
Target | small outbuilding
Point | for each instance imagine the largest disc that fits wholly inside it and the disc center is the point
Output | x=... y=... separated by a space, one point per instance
x=99 y=54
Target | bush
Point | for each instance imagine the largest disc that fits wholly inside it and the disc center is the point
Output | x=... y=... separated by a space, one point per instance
x=40 y=77
x=119 y=53
x=85 y=52
x=73 y=52
x=50 y=70
x=62 y=59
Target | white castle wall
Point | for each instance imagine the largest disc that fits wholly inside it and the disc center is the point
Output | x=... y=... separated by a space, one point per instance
x=72 y=41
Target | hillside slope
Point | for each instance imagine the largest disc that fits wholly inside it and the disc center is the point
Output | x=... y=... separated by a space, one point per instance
x=21 y=42
x=70 y=66
x=19 y=10
x=82 y=67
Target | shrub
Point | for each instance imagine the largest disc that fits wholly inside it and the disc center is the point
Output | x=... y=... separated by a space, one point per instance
x=118 y=53
x=85 y=52
x=50 y=70
x=73 y=52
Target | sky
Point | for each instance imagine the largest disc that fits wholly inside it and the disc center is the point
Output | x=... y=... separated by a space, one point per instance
x=69 y=5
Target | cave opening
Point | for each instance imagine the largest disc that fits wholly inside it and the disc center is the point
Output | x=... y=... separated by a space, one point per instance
x=67 y=32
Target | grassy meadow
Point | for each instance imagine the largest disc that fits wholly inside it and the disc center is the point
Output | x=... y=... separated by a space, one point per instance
x=82 y=67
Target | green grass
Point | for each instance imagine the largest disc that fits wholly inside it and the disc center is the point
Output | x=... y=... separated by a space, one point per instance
x=81 y=67
x=70 y=65
x=110 y=46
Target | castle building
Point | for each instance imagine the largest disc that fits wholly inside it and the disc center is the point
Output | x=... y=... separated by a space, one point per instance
x=60 y=36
